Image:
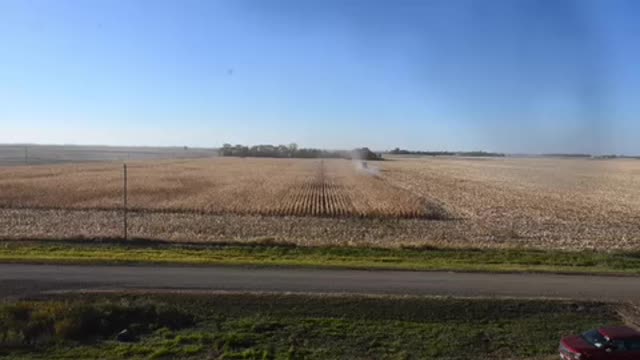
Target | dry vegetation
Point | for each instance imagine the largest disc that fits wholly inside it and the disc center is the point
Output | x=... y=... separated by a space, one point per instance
x=568 y=203
x=214 y=186
x=543 y=203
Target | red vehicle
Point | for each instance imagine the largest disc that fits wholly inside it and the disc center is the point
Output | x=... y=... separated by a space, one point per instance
x=608 y=343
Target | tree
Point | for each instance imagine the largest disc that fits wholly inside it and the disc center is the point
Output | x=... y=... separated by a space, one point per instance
x=293 y=148
x=283 y=151
x=226 y=150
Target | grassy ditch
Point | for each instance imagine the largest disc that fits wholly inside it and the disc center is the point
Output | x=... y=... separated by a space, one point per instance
x=265 y=254
x=246 y=326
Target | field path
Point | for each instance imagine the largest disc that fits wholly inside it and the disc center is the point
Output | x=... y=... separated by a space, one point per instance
x=20 y=280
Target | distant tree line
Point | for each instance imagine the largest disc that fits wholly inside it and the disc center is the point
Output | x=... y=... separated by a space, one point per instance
x=614 y=156
x=605 y=156
x=398 y=151
x=293 y=151
x=572 y=155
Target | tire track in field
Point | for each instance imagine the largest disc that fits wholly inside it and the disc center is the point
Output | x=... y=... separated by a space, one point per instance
x=434 y=209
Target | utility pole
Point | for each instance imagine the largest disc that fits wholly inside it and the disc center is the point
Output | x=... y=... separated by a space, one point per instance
x=124 y=194
x=26 y=155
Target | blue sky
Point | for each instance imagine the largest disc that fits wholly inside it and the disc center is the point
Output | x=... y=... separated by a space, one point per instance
x=501 y=75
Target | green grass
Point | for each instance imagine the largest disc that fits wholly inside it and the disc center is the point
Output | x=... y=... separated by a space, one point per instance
x=241 y=326
x=265 y=254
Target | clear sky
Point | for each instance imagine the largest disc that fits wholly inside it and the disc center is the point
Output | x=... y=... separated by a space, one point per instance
x=501 y=75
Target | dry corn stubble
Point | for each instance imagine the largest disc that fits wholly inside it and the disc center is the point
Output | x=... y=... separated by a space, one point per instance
x=542 y=203
x=213 y=186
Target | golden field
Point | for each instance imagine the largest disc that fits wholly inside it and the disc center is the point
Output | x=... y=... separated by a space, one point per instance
x=213 y=186
x=479 y=202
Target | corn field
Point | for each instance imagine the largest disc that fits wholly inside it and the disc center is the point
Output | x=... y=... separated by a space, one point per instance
x=334 y=188
x=521 y=202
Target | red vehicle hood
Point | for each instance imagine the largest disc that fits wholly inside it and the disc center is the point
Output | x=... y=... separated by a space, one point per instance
x=578 y=344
